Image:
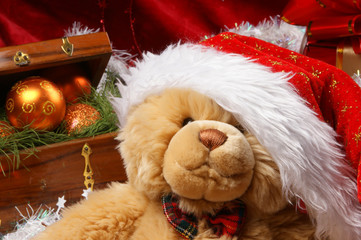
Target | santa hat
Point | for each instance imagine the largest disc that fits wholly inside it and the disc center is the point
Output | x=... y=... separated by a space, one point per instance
x=305 y=112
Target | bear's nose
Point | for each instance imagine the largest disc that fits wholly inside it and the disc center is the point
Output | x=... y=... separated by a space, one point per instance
x=212 y=138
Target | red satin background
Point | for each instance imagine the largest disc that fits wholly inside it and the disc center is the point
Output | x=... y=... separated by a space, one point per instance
x=132 y=25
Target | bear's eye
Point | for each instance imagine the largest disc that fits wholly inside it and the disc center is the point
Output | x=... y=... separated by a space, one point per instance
x=240 y=128
x=186 y=121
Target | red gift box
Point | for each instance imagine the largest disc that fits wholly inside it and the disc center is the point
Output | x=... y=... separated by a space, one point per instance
x=333 y=29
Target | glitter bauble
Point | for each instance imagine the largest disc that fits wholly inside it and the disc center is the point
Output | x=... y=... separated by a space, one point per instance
x=5 y=129
x=79 y=116
x=35 y=102
x=71 y=80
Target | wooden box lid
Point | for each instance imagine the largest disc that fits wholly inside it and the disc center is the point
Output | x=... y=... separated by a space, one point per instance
x=91 y=52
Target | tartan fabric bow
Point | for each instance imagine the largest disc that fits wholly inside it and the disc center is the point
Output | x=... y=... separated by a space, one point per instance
x=227 y=221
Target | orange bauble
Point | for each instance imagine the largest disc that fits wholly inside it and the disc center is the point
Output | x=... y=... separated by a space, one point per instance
x=5 y=129
x=35 y=101
x=79 y=116
x=71 y=80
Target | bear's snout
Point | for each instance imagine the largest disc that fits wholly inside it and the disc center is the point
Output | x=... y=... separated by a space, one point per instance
x=208 y=160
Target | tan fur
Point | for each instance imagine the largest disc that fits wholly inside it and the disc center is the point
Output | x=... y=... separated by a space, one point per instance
x=162 y=156
x=266 y=186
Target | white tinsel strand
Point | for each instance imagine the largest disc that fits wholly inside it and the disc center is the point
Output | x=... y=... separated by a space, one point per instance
x=357 y=79
x=274 y=31
x=33 y=223
x=78 y=29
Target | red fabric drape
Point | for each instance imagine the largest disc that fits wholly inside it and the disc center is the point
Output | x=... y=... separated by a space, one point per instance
x=132 y=25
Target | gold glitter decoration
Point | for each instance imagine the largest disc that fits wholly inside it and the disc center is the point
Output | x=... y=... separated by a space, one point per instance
x=304 y=75
x=48 y=108
x=16 y=85
x=293 y=57
x=10 y=105
x=226 y=37
x=316 y=72
x=275 y=63
x=357 y=137
x=259 y=48
x=79 y=116
x=21 y=88
x=334 y=82
x=45 y=85
x=28 y=107
x=344 y=109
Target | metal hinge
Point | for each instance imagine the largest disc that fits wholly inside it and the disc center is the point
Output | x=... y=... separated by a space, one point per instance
x=67 y=47
x=88 y=171
x=21 y=59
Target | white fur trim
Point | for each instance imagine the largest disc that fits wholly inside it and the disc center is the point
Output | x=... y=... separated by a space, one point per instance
x=266 y=104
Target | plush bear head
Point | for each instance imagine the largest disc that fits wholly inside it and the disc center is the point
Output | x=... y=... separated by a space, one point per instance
x=182 y=142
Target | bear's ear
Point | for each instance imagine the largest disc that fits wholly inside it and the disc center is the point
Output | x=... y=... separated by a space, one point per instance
x=264 y=194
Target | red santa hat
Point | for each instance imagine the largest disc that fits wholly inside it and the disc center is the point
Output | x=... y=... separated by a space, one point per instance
x=305 y=112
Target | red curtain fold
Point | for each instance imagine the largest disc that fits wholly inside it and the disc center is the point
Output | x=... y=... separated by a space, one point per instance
x=132 y=25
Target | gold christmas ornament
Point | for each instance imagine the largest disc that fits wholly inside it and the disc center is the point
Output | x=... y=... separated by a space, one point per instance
x=5 y=129
x=79 y=116
x=71 y=80
x=35 y=101
x=75 y=87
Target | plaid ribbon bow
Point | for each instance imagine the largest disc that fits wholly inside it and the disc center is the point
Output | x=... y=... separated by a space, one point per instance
x=227 y=221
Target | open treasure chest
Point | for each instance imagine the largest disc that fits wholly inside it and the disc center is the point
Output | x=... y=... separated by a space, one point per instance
x=34 y=175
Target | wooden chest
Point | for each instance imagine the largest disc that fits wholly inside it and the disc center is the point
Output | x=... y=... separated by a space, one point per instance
x=56 y=169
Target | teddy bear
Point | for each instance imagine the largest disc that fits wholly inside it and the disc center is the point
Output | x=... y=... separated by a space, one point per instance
x=185 y=155
x=229 y=138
